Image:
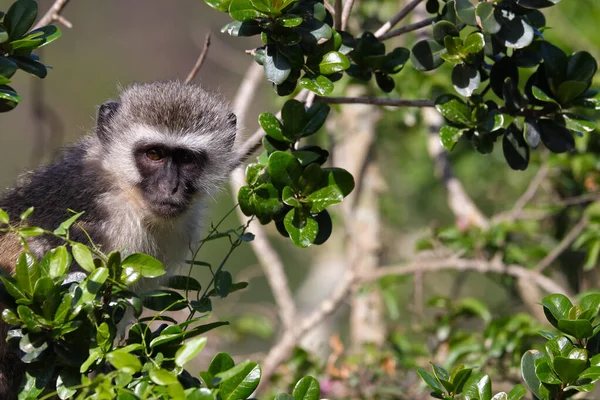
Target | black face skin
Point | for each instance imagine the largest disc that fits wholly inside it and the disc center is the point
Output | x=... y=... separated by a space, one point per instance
x=168 y=177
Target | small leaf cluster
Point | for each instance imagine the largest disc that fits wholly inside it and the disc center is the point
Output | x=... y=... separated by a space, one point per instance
x=66 y=314
x=289 y=185
x=299 y=43
x=16 y=46
x=569 y=364
x=489 y=44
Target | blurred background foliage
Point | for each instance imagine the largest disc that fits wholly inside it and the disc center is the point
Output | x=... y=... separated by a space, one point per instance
x=114 y=43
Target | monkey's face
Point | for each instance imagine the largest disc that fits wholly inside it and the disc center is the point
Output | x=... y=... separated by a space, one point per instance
x=168 y=177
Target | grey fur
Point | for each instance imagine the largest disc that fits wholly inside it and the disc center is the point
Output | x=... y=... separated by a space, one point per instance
x=98 y=175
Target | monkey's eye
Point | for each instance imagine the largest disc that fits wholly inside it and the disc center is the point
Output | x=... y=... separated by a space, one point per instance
x=155 y=154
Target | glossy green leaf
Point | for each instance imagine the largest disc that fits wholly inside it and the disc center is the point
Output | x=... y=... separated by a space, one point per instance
x=465 y=10
x=426 y=55
x=449 y=136
x=307 y=388
x=4 y=219
x=242 y=383
x=578 y=123
x=442 y=28
x=3 y=35
x=336 y=184
x=162 y=376
x=516 y=151
x=293 y=115
x=319 y=84
x=83 y=256
x=582 y=66
x=277 y=66
x=8 y=98
x=182 y=282
x=160 y=300
x=333 y=62
x=569 y=368
x=223 y=281
x=453 y=109
x=7 y=67
x=56 y=262
x=301 y=227
x=237 y=28
x=570 y=90
x=189 y=350
x=478 y=386
x=431 y=381
x=124 y=361
x=20 y=17
x=284 y=169
x=465 y=79
x=487 y=18
x=580 y=328
x=517 y=393
x=474 y=43
x=528 y=371
x=141 y=265
x=243 y=10
x=272 y=126
x=557 y=138
x=221 y=5
x=316 y=116
x=263 y=201
x=27 y=271
x=37 y=38
x=516 y=33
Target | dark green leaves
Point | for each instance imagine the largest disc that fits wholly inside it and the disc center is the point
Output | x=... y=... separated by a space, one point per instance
x=20 y=17
x=426 y=55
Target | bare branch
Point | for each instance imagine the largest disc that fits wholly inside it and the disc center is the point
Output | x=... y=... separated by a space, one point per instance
x=282 y=350
x=532 y=189
x=408 y=28
x=53 y=14
x=563 y=245
x=346 y=13
x=397 y=18
x=459 y=264
x=377 y=101
x=200 y=60
x=337 y=15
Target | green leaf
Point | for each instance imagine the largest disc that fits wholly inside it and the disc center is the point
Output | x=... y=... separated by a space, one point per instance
x=517 y=393
x=162 y=376
x=221 y=5
x=465 y=79
x=56 y=262
x=3 y=34
x=557 y=138
x=453 y=109
x=223 y=281
x=8 y=98
x=569 y=90
x=243 y=10
x=67 y=383
x=20 y=17
x=220 y=363
x=528 y=371
x=294 y=119
x=580 y=328
x=558 y=305
x=540 y=95
x=263 y=201
x=478 y=387
x=277 y=66
x=319 y=84
x=465 y=10
x=336 y=183
x=449 y=136
x=474 y=43
x=7 y=67
x=486 y=17
x=582 y=67
x=325 y=227
x=578 y=123
x=189 y=350
x=307 y=388
x=516 y=33
x=443 y=28
x=316 y=116
x=302 y=228
x=124 y=361
x=284 y=169
x=431 y=381
x=4 y=219
x=272 y=126
x=38 y=38
x=83 y=256
x=516 y=151
x=333 y=62
x=160 y=300
x=182 y=282
x=569 y=368
x=237 y=28
x=426 y=55
x=27 y=272
x=14 y=289
x=139 y=265
x=385 y=82
x=242 y=383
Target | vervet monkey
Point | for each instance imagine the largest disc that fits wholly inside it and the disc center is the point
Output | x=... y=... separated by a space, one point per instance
x=158 y=151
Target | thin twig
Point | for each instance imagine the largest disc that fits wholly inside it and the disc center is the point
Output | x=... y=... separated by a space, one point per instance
x=459 y=264
x=408 y=28
x=337 y=16
x=53 y=14
x=200 y=60
x=346 y=13
x=530 y=193
x=563 y=245
x=378 y=101
x=397 y=18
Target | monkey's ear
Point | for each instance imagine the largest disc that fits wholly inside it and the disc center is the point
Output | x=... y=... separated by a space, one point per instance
x=105 y=114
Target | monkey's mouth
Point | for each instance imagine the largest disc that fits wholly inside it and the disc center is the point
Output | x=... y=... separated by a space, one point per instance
x=169 y=209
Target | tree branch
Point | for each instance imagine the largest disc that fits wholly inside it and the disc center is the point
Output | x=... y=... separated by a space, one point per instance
x=408 y=28
x=337 y=15
x=346 y=13
x=459 y=264
x=397 y=18
x=200 y=60
x=53 y=14
x=563 y=245
x=378 y=101
x=529 y=194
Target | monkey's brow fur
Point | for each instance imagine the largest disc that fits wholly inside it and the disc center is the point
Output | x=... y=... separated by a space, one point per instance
x=173 y=105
